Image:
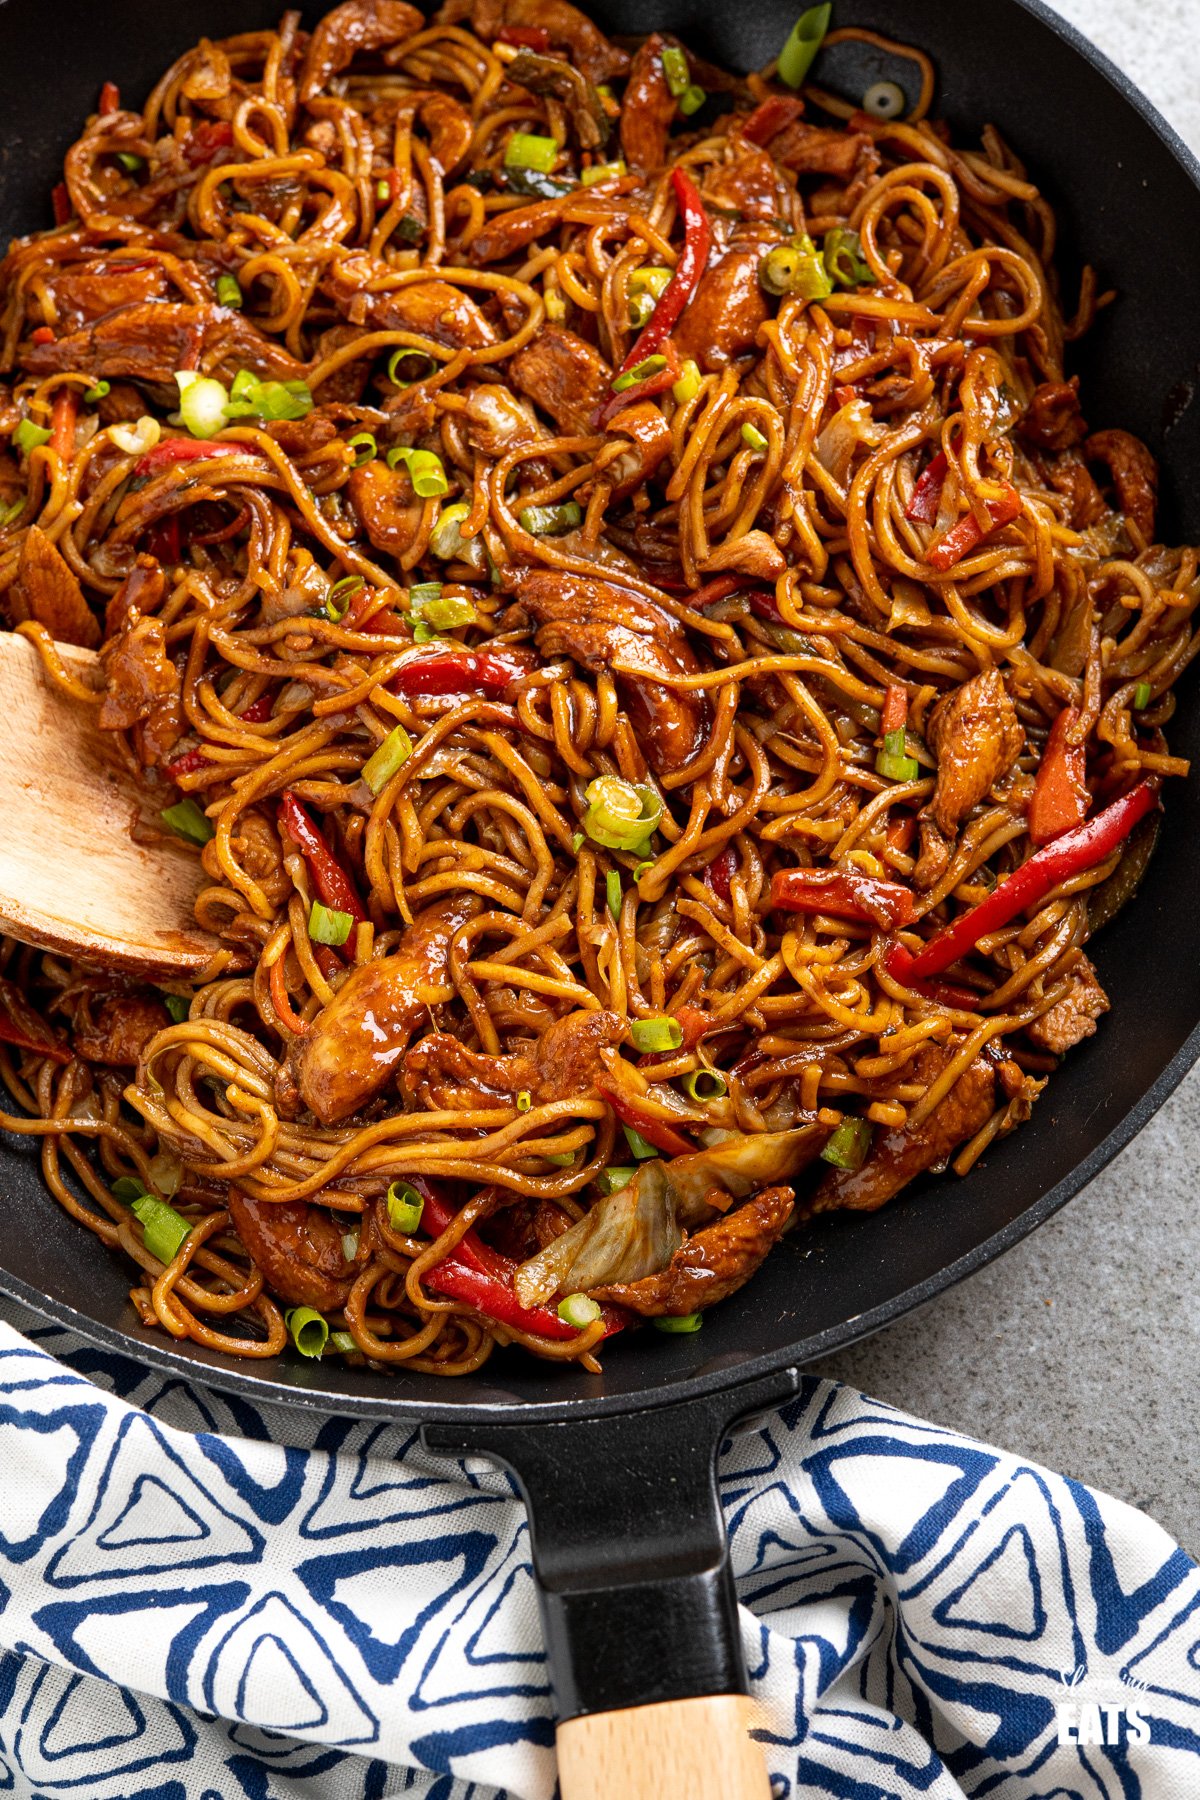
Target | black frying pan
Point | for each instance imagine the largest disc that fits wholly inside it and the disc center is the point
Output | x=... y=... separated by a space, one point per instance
x=628 y=1546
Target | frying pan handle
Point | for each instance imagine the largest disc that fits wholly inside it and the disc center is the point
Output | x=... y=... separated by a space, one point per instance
x=636 y=1591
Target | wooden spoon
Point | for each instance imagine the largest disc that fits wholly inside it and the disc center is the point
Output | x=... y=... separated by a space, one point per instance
x=72 y=879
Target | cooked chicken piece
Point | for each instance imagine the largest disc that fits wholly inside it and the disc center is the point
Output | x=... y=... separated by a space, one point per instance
x=141 y=592
x=1134 y=474
x=113 y=1028
x=897 y=1156
x=650 y=445
x=713 y=1264
x=498 y=422
x=441 y=1072
x=47 y=591
x=357 y=1041
x=450 y=128
x=584 y=107
x=354 y=26
x=722 y=319
x=1054 y=421
x=648 y=108
x=564 y=376
x=148 y=342
x=1068 y=474
x=506 y=234
x=299 y=1249
x=142 y=686
x=1074 y=1017
x=754 y=554
x=816 y=150
x=934 y=859
x=751 y=186
x=433 y=309
x=600 y=624
x=566 y=26
x=86 y=291
x=387 y=506
x=976 y=736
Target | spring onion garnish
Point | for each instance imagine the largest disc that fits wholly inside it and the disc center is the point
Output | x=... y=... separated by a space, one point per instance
x=446 y=539
x=28 y=436
x=162 y=1227
x=675 y=70
x=688 y=385
x=307 y=1330
x=384 y=762
x=97 y=392
x=421 y=359
x=691 y=100
x=885 y=100
x=423 y=632
x=343 y=1341
x=12 y=511
x=425 y=470
x=383 y=190
x=641 y=868
x=136 y=439
x=337 y=600
x=524 y=151
x=844 y=258
x=680 y=1323
x=615 y=1177
x=803 y=41
x=449 y=613
x=579 y=1310
x=187 y=821
x=364 y=447
x=656 y=1034
x=847 y=1148
x=127 y=1189
x=325 y=926
x=177 y=1006
x=551 y=521
x=524 y=1101
x=619 y=815
x=577 y=843
x=229 y=292
x=893 y=761
x=705 y=1084
x=405 y=1207
x=251 y=398
x=202 y=403
x=753 y=437
x=795 y=268
x=649 y=365
x=130 y=162
x=555 y=305
x=649 y=281
x=1141 y=695
x=638 y=1144
x=611 y=171
x=612 y=892
x=421 y=593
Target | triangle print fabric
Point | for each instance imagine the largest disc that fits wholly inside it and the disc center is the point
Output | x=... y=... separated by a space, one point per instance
x=203 y=1601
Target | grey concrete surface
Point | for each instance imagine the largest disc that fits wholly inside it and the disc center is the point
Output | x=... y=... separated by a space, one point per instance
x=1081 y=1349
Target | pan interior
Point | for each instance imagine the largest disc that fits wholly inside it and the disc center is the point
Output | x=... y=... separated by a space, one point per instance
x=1127 y=199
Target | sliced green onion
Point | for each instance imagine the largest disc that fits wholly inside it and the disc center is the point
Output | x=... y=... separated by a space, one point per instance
x=843 y=258
x=619 y=815
x=337 y=600
x=675 y=69
x=127 y=1189
x=130 y=162
x=186 y=820
x=97 y=392
x=705 y=1084
x=555 y=305
x=638 y=1144
x=524 y=1101
x=446 y=539
x=795 y=268
x=656 y=1034
x=678 y=1324
x=344 y=1342
x=524 y=151
x=405 y=1207
x=649 y=281
x=641 y=307
x=615 y=1177
x=364 y=447
x=135 y=440
x=422 y=592
x=885 y=100
x=425 y=366
x=893 y=761
x=752 y=436
x=612 y=891
x=649 y=365
x=383 y=189
x=448 y=614
x=162 y=1227
x=688 y=385
x=251 y=398
x=229 y=292
x=551 y=521
x=28 y=436
x=803 y=41
x=384 y=762
x=307 y=1329
x=691 y=100
x=12 y=511
x=611 y=171
x=563 y=1162
x=423 y=632
x=177 y=1006
x=202 y=403
x=641 y=868
x=425 y=470
x=577 y=842
x=847 y=1148
x=1141 y=695
x=579 y=1310
x=326 y=926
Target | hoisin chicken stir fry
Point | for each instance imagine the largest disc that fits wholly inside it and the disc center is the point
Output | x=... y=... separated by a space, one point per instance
x=601 y=557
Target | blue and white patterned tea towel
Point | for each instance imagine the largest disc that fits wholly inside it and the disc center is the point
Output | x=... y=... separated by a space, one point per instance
x=203 y=1601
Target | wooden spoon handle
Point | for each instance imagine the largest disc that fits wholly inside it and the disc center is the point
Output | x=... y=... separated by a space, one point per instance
x=698 y=1748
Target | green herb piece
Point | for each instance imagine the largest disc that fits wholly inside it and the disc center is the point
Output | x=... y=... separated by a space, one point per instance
x=327 y=926
x=803 y=41
x=29 y=436
x=388 y=759
x=639 y=1145
x=525 y=151
x=307 y=1329
x=579 y=1310
x=229 y=292
x=551 y=521
x=678 y=1324
x=663 y=1033
x=847 y=1148
x=187 y=821
x=405 y=1207
x=843 y=257
x=163 y=1230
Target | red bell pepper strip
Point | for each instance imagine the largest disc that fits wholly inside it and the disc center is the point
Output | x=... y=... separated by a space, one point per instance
x=331 y=881
x=901 y=831
x=962 y=538
x=1071 y=854
x=259 y=711
x=631 y=1109
x=169 y=451
x=524 y=37
x=720 y=870
x=60 y=200
x=762 y=599
x=844 y=894
x=164 y=539
x=187 y=764
x=894 y=716
x=42 y=334
x=62 y=423
x=205 y=139
x=284 y=1010
x=693 y=1022
x=459 y=671
x=697 y=242
x=22 y=1026
x=771 y=116
x=922 y=509
x=110 y=98
x=1060 y=793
